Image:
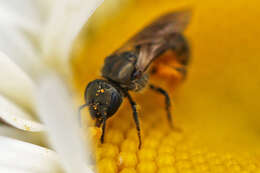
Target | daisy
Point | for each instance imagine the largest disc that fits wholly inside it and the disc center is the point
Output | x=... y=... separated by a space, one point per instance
x=36 y=37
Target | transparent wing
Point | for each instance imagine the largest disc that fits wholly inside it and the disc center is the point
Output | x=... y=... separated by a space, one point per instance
x=157 y=37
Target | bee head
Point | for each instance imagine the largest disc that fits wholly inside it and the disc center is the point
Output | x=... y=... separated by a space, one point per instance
x=103 y=100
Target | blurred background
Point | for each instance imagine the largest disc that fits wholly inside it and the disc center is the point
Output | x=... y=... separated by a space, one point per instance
x=219 y=101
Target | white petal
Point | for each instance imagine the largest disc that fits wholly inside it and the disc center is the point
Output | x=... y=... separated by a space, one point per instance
x=21 y=25
x=67 y=18
x=21 y=49
x=55 y=107
x=15 y=116
x=24 y=14
x=15 y=83
x=37 y=138
x=18 y=156
x=5 y=169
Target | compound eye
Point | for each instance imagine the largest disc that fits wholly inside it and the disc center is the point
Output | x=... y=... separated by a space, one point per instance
x=115 y=102
x=103 y=99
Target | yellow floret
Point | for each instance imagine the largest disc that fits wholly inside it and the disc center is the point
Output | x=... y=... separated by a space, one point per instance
x=147 y=154
x=127 y=159
x=146 y=166
x=174 y=152
x=165 y=160
x=107 y=165
x=109 y=150
x=128 y=170
x=129 y=145
x=167 y=169
x=114 y=136
x=151 y=142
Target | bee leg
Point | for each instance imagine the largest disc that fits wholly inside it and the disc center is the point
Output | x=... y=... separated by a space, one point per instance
x=80 y=108
x=135 y=114
x=103 y=130
x=167 y=102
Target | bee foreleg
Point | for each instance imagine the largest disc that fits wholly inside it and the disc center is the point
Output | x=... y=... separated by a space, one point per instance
x=135 y=115
x=103 y=130
x=167 y=102
x=79 y=112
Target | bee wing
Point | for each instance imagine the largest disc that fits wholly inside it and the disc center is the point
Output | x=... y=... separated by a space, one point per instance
x=164 y=25
x=154 y=38
x=174 y=22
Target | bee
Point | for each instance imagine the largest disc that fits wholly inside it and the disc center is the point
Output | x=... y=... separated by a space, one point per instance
x=129 y=67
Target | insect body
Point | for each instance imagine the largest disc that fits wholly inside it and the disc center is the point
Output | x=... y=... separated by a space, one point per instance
x=129 y=67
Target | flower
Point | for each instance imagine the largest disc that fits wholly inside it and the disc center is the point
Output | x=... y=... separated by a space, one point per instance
x=36 y=38
x=216 y=107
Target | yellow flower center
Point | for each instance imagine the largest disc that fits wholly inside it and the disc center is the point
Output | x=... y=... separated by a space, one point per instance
x=163 y=150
